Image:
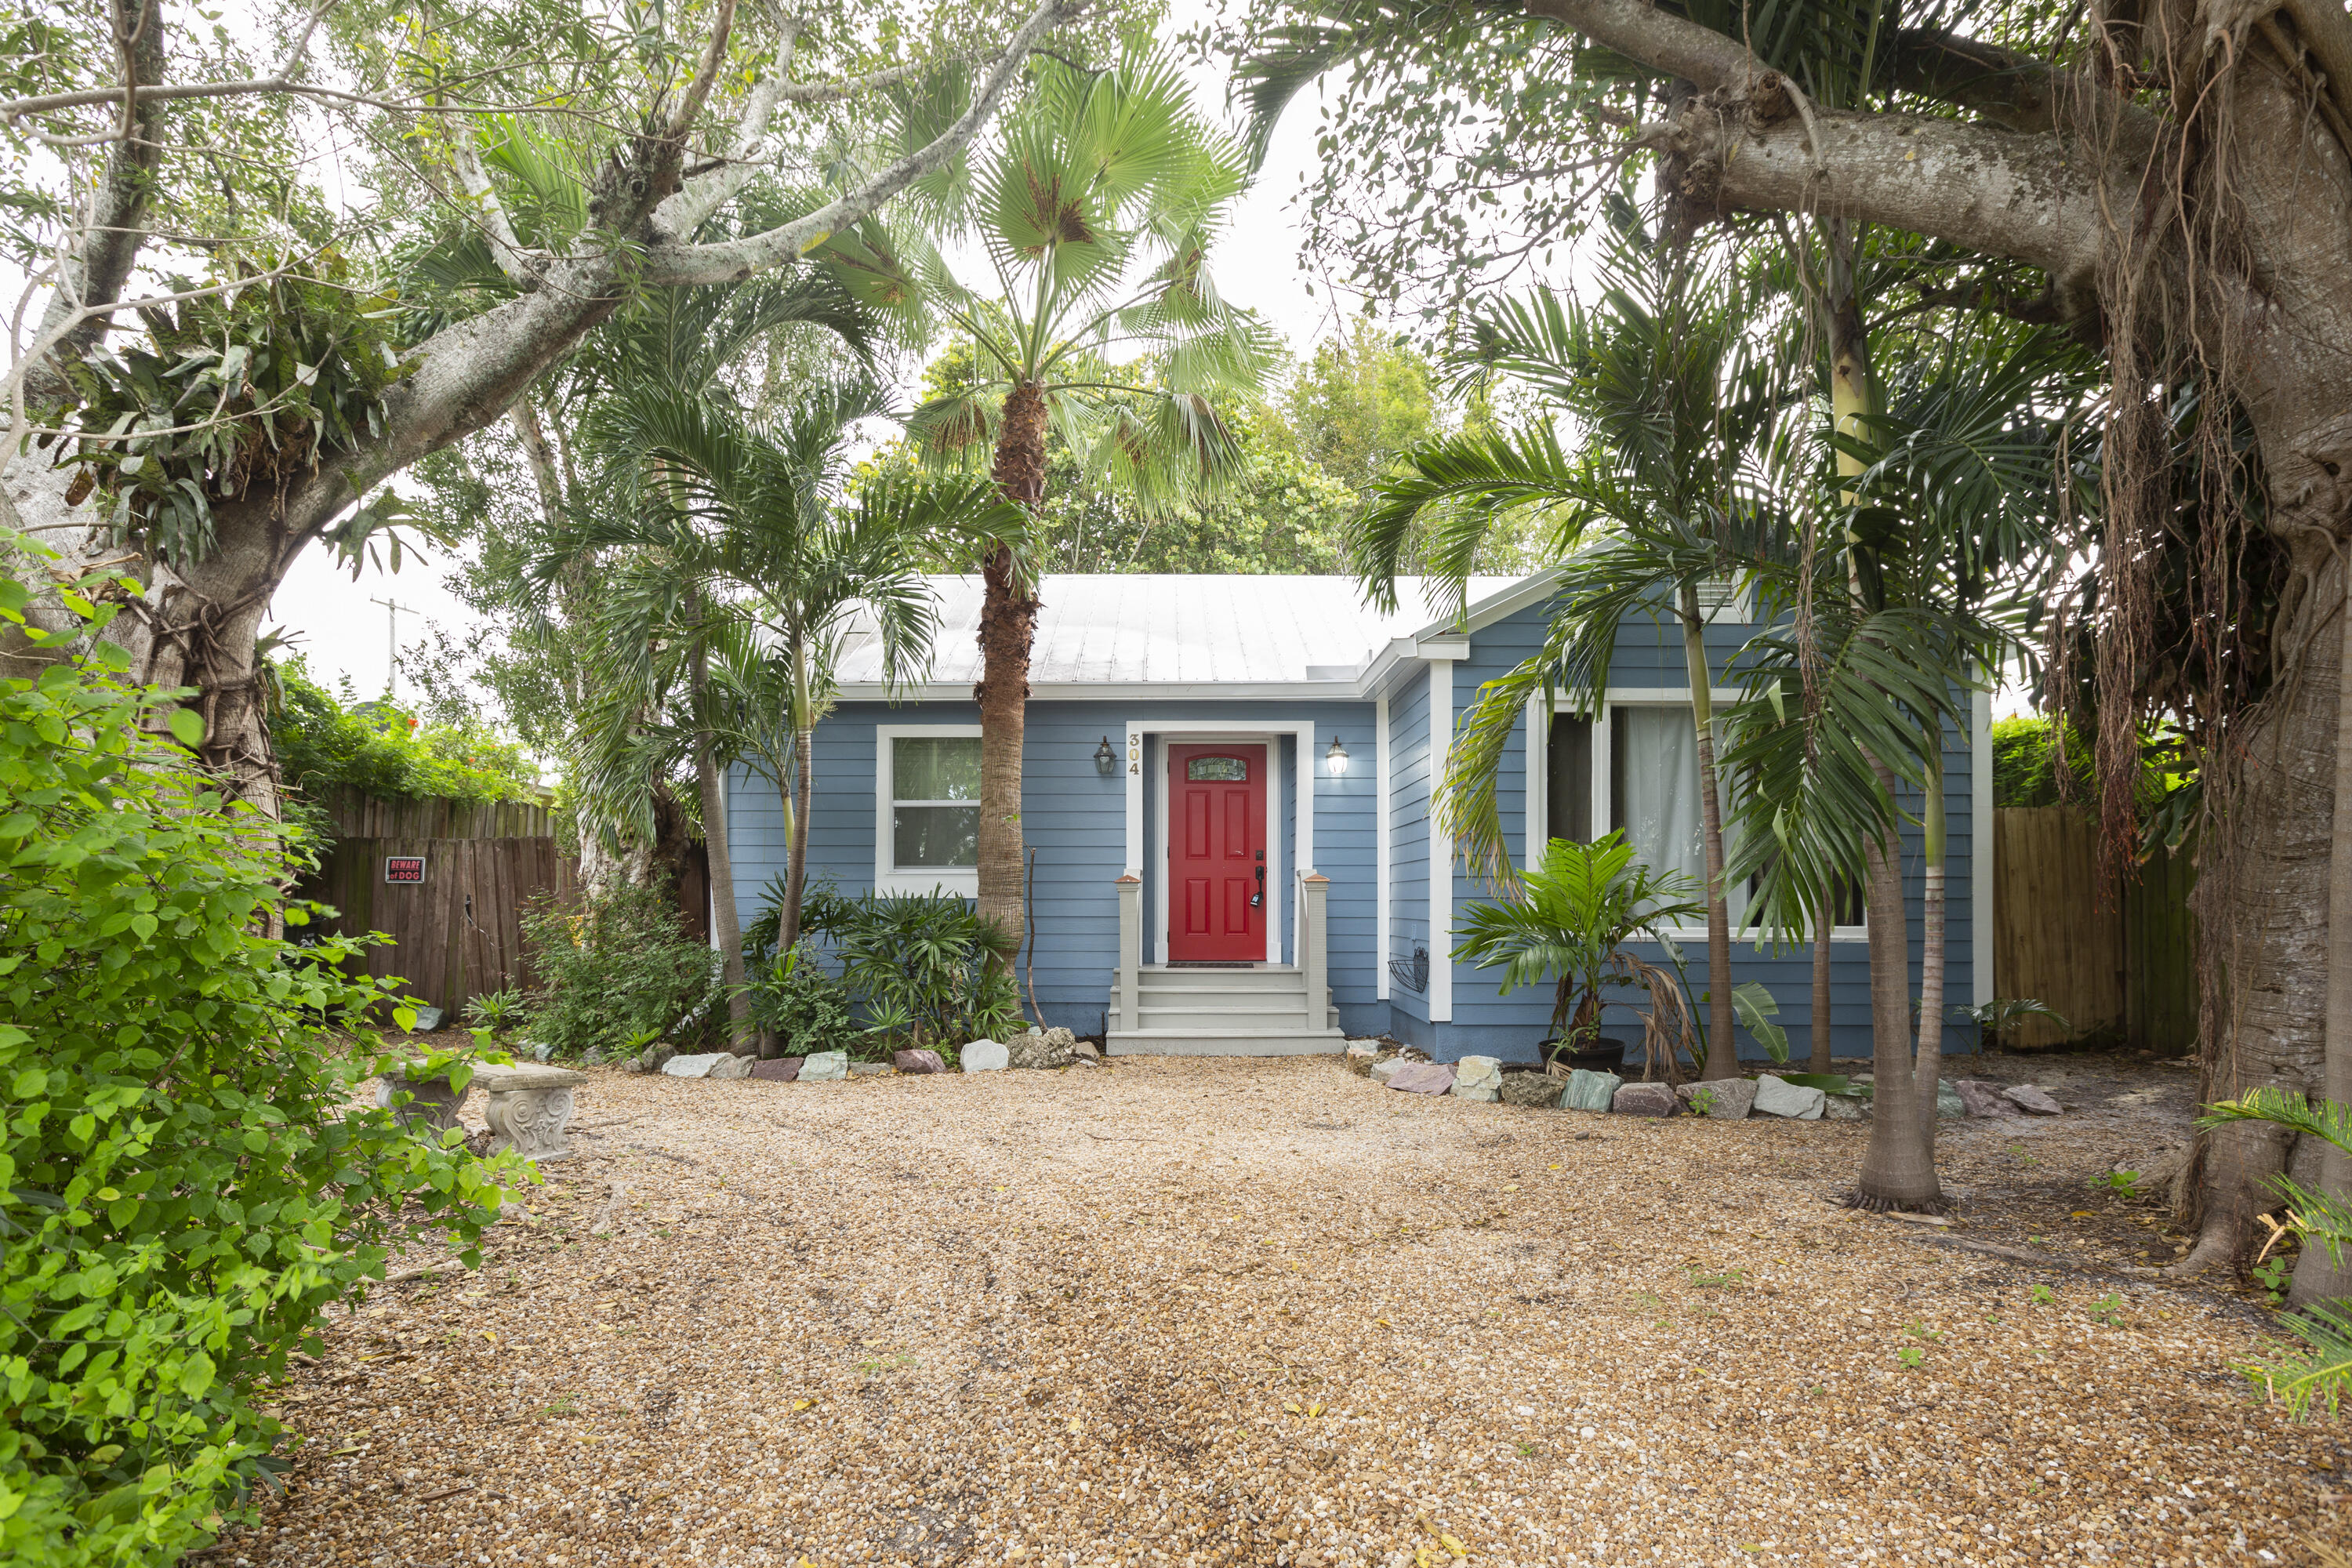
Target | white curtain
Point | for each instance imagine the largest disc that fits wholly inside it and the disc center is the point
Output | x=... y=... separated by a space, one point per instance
x=1658 y=802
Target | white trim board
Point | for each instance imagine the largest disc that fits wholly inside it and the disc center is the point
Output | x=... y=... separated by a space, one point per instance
x=1157 y=748
x=1441 y=853
x=1980 y=819
x=887 y=878
x=1383 y=915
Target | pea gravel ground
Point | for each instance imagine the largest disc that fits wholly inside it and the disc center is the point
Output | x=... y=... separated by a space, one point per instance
x=1221 y=1311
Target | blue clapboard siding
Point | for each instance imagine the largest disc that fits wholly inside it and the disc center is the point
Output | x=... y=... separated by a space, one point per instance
x=1649 y=657
x=1076 y=819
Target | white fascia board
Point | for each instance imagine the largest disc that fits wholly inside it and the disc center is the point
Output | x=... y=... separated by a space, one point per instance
x=1125 y=691
x=1448 y=645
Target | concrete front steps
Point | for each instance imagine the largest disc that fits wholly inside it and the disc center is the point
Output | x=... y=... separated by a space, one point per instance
x=1260 y=1011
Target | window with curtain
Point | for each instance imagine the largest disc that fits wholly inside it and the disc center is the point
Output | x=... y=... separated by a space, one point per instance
x=935 y=802
x=1653 y=792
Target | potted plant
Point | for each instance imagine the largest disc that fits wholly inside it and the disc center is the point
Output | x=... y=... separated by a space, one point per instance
x=1568 y=923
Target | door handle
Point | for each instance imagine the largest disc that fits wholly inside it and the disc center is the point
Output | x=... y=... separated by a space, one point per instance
x=1257 y=899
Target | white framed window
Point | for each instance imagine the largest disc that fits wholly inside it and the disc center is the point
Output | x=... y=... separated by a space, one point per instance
x=1633 y=767
x=927 y=808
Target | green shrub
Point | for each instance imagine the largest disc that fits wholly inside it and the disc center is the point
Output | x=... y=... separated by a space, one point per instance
x=185 y=1182
x=807 y=1008
x=323 y=740
x=914 y=968
x=619 y=968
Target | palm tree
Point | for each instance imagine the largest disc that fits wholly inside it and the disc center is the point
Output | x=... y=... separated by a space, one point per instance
x=1656 y=503
x=1096 y=216
x=746 y=579
x=1949 y=524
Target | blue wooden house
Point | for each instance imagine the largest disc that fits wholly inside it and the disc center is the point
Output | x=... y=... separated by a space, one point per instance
x=1227 y=781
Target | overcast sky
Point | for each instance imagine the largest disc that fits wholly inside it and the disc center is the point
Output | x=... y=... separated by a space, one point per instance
x=337 y=623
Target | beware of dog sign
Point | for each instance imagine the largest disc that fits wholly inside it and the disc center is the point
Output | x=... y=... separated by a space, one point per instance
x=403 y=868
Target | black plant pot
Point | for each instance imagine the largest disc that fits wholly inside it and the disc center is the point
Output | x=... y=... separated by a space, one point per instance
x=1604 y=1055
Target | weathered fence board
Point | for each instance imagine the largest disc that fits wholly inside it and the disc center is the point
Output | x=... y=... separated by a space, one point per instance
x=460 y=933
x=2122 y=965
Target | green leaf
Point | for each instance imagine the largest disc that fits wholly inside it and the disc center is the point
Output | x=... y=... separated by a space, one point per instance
x=188 y=726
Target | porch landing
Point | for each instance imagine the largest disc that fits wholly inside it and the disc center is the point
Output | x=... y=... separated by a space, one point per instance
x=1261 y=1011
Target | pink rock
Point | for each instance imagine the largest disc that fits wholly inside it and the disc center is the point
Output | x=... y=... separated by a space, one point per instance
x=1423 y=1077
x=917 y=1061
x=1646 y=1100
x=778 y=1069
x=2034 y=1101
x=1984 y=1098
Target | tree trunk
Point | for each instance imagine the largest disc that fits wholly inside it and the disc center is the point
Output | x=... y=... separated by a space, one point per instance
x=1008 y=621
x=1723 y=1045
x=1898 y=1169
x=1822 y=1006
x=796 y=855
x=1929 y=1063
x=2321 y=1275
x=726 y=923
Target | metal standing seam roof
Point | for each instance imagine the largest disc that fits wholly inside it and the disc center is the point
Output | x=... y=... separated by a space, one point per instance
x=1134 y=629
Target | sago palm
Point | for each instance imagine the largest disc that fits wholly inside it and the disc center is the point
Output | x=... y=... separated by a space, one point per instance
x=1095 y=216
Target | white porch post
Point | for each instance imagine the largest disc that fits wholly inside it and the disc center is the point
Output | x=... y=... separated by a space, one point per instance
x=1130 y=951
x=1381 y=911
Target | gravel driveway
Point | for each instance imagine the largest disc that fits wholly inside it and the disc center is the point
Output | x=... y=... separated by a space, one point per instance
x=1266 y=1312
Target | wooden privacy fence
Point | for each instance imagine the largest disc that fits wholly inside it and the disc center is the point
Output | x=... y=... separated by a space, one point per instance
x=2126 y=967
x=457 y=927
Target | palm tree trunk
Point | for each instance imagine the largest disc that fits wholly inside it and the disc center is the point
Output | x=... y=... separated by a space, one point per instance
x=1008 y=620
x=796 y=855
x=1821 y=1006
x=1929 y=1064
x=1722 y=1048
x=1898 y=1172
x=2320 y=1276
x=726 y=924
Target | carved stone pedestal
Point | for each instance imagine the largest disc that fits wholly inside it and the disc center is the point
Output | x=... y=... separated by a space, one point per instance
x=529 y=1107
x=433 y=1105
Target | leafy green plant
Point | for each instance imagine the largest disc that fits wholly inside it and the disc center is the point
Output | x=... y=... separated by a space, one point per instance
x=1999 y=1020
x=2124 y=1183
x=2272 y=1276
x=185 y=1181
x=913 y=969
x=324 y=738
x=2041 y=1295
x=2109 y=1310
x=1569 y=922
x=2317 y=1374
x=806 y=1009
x=1911 y=1356
x=496 y=1011
x=621 y=965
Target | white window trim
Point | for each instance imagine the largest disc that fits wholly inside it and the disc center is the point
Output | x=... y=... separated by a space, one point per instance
x=1157 y=744
x=1538 y=782
x=963 y=881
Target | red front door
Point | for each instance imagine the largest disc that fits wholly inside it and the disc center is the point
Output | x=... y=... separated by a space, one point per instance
x=1216 y=853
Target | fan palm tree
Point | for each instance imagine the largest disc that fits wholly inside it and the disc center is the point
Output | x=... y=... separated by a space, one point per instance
x=746 y=579
x=1096 y=216
x=1657 y=502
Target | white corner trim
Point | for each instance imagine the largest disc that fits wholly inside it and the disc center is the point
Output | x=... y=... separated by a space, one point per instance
x=1135 y=765
x=1441 y=853
x=1381 y=914
x=887 y=878
x=1980 y=839
x=1537 y=786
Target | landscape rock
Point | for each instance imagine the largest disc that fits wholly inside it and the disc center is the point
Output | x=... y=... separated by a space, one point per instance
x=1589 y=1091
x=733 y=1067
x=1361 y=1055
x=655 y=1056
x=917 y=1061
x=1947 y=1100
x=1089 y=1050
x=697 y=1066
x=984 y=1056
x=1727 y=1099
x=824 y=1067
x=1041 y=1051
x=1423 y=1077
x=1797 y=1101
x=1532 y=1089
x=1984 y=1098
x=1478 y=1078
x=868 y=1070
x=778 y=1069
x=1381 y=1072
x=1844 y=1108
x=428 y=1019
x=2027 y=1096
x=1645 y=1099
x=629 y=1064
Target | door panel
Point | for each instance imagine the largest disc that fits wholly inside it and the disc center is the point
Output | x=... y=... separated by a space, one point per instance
x=1217 y=858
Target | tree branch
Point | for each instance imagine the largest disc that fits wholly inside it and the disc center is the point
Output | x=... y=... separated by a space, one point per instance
x=858 y=87
x=703 y=193
x=2326 y=29
x=279 y=81
x=515 y=259
x=680 y=264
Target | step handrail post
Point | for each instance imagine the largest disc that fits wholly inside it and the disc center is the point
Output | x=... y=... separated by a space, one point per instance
x=1129 y=975
x=1313 y=887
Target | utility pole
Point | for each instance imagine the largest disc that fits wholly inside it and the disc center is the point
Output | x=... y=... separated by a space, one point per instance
x=391 y=608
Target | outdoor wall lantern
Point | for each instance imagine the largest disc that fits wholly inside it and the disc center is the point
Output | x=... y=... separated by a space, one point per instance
x=1335 y=761
x=1106 y=760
